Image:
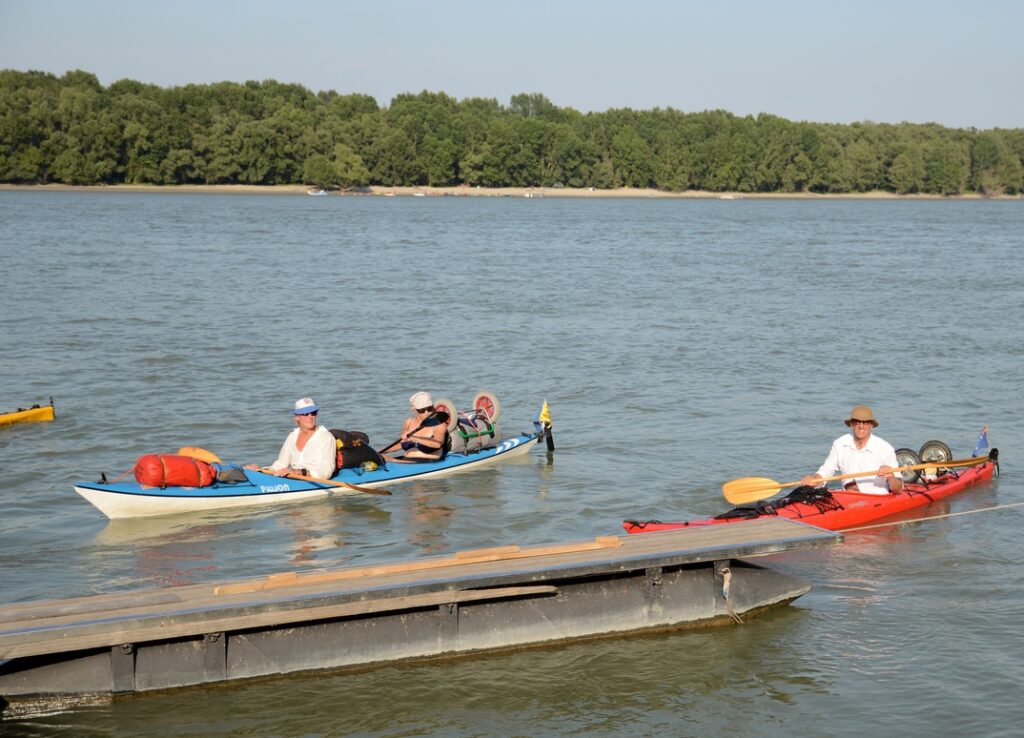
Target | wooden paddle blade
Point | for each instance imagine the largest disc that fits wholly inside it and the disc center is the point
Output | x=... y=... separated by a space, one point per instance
x=199 y=453
x=331 y=482
x=367 y=490
x=750 y=489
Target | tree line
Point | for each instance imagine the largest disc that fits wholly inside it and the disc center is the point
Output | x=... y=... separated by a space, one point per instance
x=71 y=129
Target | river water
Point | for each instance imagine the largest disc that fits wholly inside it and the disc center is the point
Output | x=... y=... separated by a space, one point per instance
x=679 y=343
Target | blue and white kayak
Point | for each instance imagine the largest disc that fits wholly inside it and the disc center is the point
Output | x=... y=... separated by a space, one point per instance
x=129 y=499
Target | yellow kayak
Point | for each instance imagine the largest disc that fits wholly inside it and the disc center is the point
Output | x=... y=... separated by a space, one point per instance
x=34 y=414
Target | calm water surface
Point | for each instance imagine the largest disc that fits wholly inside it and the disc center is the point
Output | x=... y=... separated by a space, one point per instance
x=679 y=343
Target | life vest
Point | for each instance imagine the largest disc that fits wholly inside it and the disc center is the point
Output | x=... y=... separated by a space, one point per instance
x=172 y=470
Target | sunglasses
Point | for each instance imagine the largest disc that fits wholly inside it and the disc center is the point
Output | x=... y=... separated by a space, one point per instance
x=308 y=415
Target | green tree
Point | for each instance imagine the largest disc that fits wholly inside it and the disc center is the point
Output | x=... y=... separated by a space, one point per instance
x=440 y=160
x=318 y=170
x=631 y=158
x=349 y=170
x=180 y=166
x=942 y=170
x=70 y=128
x=395 y=160
x=865 y=165
x=906 y=173
x=565 y=157
x=985 y=157
x=534 y=105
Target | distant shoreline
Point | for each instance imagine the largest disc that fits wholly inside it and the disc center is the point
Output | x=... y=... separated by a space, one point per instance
x=623 y=192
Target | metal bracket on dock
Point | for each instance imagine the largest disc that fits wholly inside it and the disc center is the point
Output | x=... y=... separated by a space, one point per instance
x=215 y=657
x=122 y=667
x=653 y=577
x=448 y=626
x=723 y=584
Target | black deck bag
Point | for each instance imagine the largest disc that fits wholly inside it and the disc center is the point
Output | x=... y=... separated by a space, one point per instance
x=354 y=449
x=349 y=439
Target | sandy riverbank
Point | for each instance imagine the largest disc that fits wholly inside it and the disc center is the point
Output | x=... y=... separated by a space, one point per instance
x=622 y=192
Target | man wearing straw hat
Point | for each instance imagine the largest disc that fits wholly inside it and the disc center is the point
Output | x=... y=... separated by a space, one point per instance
x=858 y=451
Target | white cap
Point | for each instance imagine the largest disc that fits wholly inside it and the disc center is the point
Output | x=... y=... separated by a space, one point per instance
x=421 y=401
x=304 y=406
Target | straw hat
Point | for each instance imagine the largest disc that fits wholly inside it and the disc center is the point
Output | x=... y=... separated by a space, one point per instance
x=862 y=412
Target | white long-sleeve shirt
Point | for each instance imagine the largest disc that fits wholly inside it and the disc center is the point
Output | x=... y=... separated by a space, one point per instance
x=318 y=456
x=845 y=458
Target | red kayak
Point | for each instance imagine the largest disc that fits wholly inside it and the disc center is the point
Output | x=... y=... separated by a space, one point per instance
x=839 y=509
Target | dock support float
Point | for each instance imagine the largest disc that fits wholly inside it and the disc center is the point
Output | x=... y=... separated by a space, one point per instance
x=472 y=601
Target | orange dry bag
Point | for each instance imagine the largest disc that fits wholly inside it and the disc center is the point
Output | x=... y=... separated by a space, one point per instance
x=171 y=470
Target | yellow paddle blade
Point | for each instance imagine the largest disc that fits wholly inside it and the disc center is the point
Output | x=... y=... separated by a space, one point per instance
x=749 y=489
x=199 y=453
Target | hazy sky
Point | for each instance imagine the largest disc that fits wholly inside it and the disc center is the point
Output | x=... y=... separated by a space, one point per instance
x=952 y=62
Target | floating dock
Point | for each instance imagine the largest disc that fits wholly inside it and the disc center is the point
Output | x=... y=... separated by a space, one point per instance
x=473 y=601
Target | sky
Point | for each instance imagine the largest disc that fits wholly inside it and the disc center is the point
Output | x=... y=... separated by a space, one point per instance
x=955 y=63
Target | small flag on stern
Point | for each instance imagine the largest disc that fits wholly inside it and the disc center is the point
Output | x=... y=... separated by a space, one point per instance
x=982 y=441
x=543 y=425
x=543 y=418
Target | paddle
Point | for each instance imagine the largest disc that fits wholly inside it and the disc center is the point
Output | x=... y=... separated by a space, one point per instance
x=399 y=439
x=751 y=489
x=211 y=458
x=331 y=482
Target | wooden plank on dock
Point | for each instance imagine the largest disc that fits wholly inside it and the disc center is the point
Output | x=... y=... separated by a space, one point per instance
x=503 y=553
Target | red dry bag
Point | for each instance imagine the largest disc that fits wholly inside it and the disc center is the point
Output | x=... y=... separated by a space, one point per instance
x=171 y=470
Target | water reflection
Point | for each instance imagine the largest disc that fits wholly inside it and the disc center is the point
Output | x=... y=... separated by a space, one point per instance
x=429 y=516
x=190 y=548
x=312 y=529
x=545 y=466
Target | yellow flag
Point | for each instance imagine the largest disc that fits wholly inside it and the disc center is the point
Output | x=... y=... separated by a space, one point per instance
x=545 y=415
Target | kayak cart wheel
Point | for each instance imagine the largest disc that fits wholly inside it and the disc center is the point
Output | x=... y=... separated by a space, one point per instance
x=448 y=407
x=908 y=457
x=935 y=451
x=488 y=402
